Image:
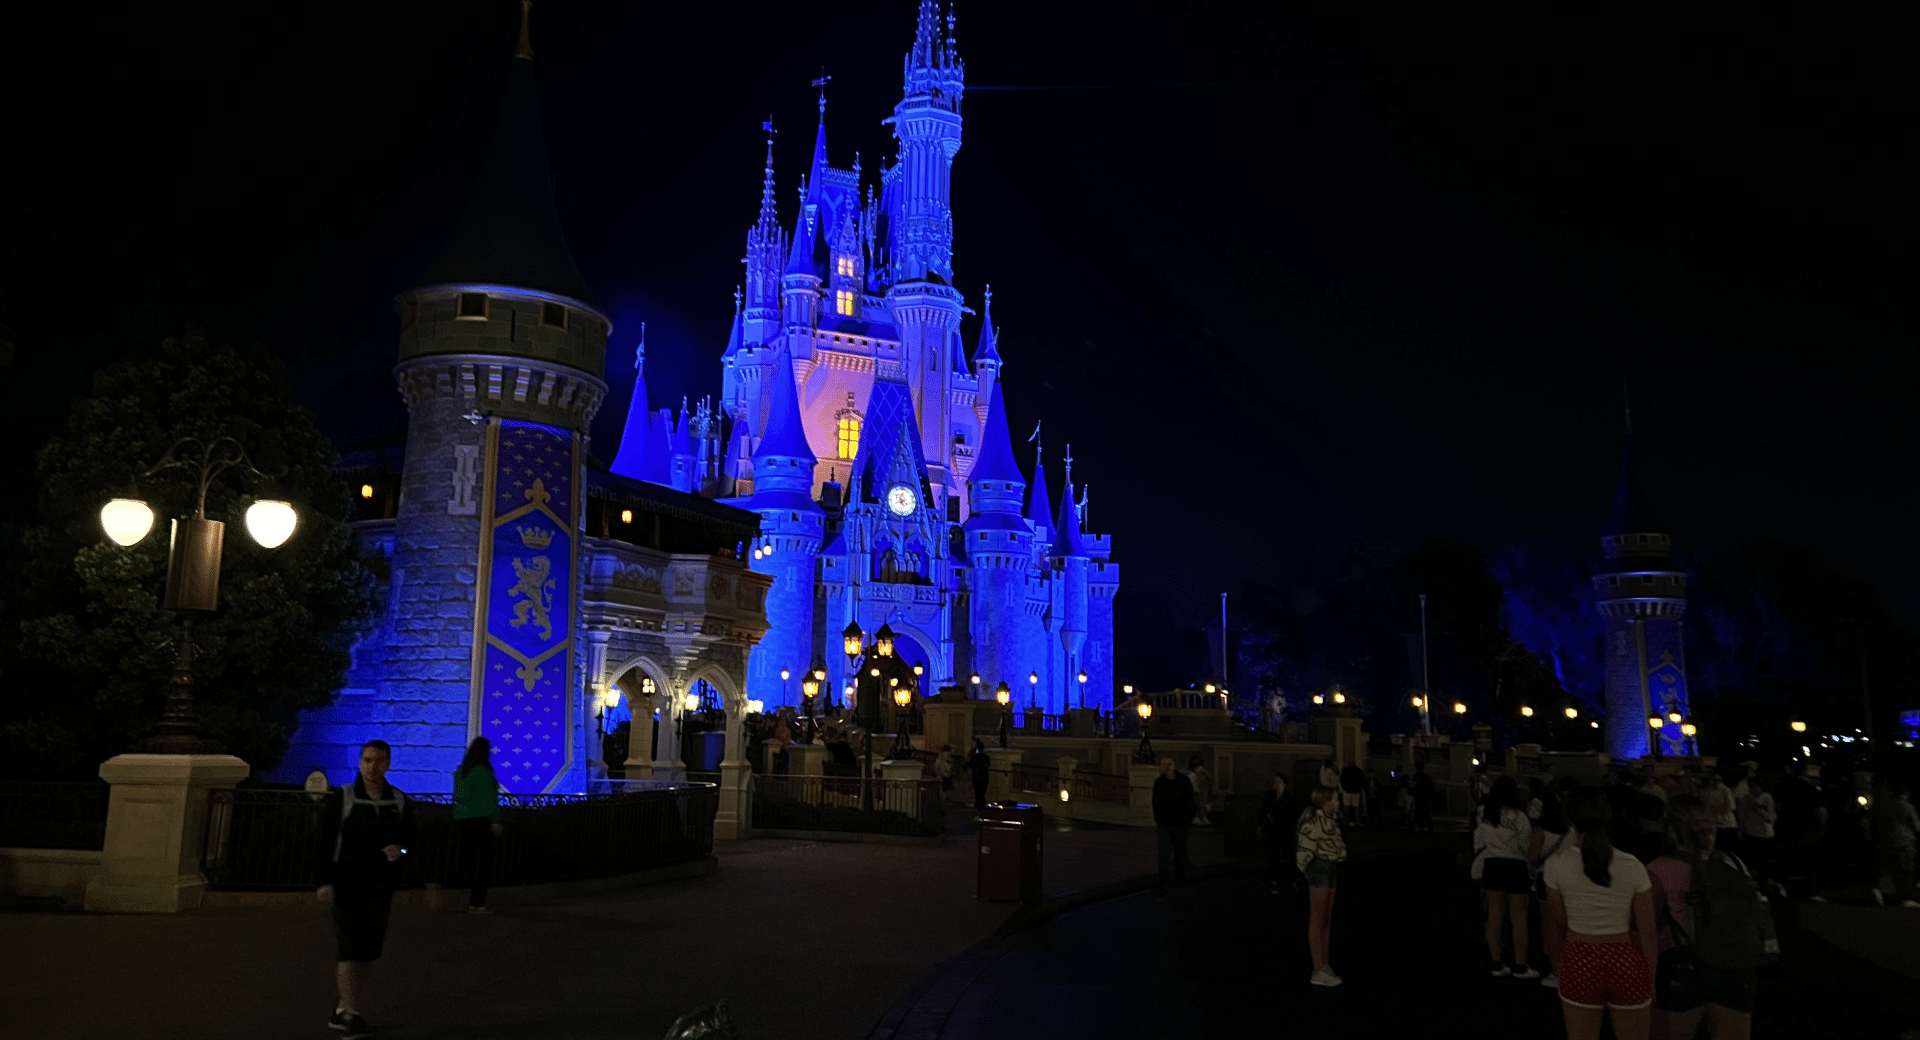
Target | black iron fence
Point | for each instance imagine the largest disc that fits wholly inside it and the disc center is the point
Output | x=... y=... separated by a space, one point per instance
x=1099 y=787
x=839 y=803
x=258 y=839
x=46 y=814
x=1023 y=776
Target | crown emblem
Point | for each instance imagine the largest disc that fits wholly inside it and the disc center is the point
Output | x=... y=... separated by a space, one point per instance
x=535 y=537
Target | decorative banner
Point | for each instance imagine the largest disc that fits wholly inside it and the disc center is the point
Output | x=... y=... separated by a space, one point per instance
x=1666 y=681
x=523 y=650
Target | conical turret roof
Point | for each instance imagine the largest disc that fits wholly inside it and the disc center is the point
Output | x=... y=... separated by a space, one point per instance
x=996 y=460
x=786 y=437
x=1067 y=541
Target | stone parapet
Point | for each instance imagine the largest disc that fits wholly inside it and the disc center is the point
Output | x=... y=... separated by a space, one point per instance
x=156 y=830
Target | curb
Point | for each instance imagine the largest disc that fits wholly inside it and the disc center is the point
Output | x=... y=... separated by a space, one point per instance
x=434 y=896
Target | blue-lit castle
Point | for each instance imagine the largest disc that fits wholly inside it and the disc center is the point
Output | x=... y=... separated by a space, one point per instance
x=1642 y=597
x=857 y=468
x=874 y=449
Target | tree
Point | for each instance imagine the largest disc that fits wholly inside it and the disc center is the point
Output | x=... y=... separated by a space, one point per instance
x=92 y=647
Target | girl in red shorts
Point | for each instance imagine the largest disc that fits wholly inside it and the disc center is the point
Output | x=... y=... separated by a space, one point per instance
x=1603 y=899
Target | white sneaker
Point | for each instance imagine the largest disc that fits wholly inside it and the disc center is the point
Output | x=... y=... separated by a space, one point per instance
x=1526 y=971
x=1910 y=904
x=1551 y=980
x=1816 y=898
x=1326 y=978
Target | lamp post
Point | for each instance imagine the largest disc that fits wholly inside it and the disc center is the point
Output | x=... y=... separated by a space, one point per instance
x=1144 y=753
x=809 y=687
x=1033 y=686
x=872 y=658
x=1083 y=687
x=193 y=567
x=1004 y=694
x=818 y=669
x=786 y=689
x=902 y=741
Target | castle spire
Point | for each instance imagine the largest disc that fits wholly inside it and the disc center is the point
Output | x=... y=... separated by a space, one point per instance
x=769 y=222
x=816 y=177
x=1067 y=541
x=1040 y=503
x=996 y=462
x=988 y=350
x=1632 y=514
x=630 y=459
x=786 y=436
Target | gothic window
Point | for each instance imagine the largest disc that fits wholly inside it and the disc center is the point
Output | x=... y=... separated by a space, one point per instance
x=845 y=267
x=843 y=301
x=847 y=431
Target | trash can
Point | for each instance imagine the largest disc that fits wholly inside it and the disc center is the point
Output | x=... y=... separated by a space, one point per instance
x=1010 y=852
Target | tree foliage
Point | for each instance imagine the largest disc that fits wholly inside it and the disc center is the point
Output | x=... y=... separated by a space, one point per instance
x=91 y=647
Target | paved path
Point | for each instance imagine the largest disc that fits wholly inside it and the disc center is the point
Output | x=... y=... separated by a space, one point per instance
x=804 y=939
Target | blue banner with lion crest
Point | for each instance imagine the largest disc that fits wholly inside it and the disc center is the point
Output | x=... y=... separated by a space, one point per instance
x=524 y=653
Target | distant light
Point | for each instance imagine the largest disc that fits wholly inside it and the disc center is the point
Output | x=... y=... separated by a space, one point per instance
x=1083 y=676
x=1339 y=698
x=1798 y=726
x=1476 y=761
x=1033 y=678
x=875 y=673
x=1145 y=709
x=1128 y=690
x=1673 y=717
x=1063 y=794
x=626 y=516
x=1595 y=725
x=366 y=491
x=976 y=678
x=1317 y=699
x=1690 y=729
x=1526 y=711
x=785 y=675
x=917 y=670
x=1573 y=713
x=1656 y=722
x=1862 y=799
x=1416 y=702
x=1459 y=708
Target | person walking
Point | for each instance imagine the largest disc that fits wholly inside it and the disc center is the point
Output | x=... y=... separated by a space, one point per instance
x=1278 y=826
x=1896 y=834
x=1548 y=818
x=1501 y=840
x=1687 y=989
x=1603 y=898
x=1756 y=812
x=365 y=827
x=1202 y=782
x=1173 y=809
x=980 y=768
x=1318 y=854
x=476 y=815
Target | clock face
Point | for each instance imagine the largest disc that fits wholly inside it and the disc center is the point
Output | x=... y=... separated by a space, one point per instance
x=902 y=500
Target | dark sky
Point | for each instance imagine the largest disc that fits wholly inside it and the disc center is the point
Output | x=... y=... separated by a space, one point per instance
x=1285 y=278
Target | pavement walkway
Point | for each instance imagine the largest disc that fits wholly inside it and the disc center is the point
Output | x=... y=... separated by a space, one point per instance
x=804 y=939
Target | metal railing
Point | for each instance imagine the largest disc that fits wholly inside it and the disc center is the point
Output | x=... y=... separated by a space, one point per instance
x=1022 y=776
x=836 y=803
x=47 y=814
x=1099 y=787
x=270 y=839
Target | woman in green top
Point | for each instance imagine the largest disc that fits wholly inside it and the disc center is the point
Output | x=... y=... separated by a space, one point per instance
x=476 y=815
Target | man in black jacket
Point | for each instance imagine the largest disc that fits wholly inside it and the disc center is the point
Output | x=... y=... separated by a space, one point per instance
x=1279 y=829
x=980 y=770
x=1173 y=809
x=364 y=830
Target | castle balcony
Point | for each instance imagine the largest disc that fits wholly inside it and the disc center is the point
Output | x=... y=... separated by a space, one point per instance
x=632 y=587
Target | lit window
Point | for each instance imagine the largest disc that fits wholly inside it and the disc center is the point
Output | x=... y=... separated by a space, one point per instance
x=473 y=306
x=553 y=314
x=843 y=301
x=848 y=429
x=845 y=267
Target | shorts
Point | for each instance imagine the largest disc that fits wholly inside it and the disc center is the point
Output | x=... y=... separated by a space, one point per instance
x=1321 y=872
x=360 y=921
x=1604 y=974
x=1500 y=874
x=1684 y=982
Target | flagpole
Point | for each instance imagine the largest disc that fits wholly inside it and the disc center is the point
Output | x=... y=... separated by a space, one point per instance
x=1223 y=640
x=1426 y=691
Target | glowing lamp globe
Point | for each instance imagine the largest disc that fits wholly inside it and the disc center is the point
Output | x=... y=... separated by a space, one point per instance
x=975 y=679
x=1318 y=699
x=1003 y=693
x=785 y=675
x=1209 y=687
x=271 y=522
x=626 y=516
x=1416 y=702
x=1339 y=698
x=1656 y=722
x=366 y=491
x=1063 y=794
x=901 y=695
x=809 y=687
x=1690 y=729
x=918 y=670
x=1459 y=708
x=1799 y=727
x=1673 y=716
x=1083 y=678
x=874 y=672
x=756 y=707
x=1127 y=689
x=1526 y=712
x=126 y=520
x=1145 y=708
x=1573 y=713
x=1033 y=678
x=1595 y=724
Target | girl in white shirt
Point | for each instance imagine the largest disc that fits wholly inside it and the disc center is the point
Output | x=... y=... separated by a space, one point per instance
x=1604 y=899
x=1501 y=841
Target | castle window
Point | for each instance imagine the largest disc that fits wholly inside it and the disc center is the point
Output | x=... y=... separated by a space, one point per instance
x=843 y=301
x=409 y=312
x=845 y=267
x=847 y=431
x=473 y=307
x=554 y=315
x=959 y=436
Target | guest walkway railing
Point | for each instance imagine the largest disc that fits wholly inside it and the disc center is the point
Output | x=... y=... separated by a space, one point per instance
x=837 y=803
x=46 y=814
x=270 y=839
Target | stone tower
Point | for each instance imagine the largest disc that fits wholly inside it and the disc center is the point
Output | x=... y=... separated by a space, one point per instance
x=1642 y=597
x=793 y=524
x=502 y=350
x=1000 y=550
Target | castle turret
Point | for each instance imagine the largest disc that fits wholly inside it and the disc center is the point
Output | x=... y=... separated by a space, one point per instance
x=999 y=553
x=1039 y=503
x=1070 y=575
x=766 y=255
x=794 y=525
x=685 y=461
x=630 y=456
x=502 y=350
x=986 y=354
x=926 y=308
x=1642 y=597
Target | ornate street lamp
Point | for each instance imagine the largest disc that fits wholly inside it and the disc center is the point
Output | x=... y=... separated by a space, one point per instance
x=1083 y=687
x=1004 y=695
x=903 y=742
x=1143 y=754
x=809 y=687
x=1033 y=687
x=193 y=567
x=883 y=640
x=852 y=641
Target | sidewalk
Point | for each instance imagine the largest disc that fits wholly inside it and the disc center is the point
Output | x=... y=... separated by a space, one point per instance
x=804 y=940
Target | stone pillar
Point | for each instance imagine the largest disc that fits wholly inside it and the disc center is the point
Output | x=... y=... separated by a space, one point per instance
x=734 y=820
x=899 y=796
x=640 y=737
x=948 y=723
x=667 y=764
x=1140 y=808
x=1004 y=758
x=807 y=760
x=156 y=830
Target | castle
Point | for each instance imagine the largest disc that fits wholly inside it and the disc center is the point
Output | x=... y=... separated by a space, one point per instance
x=859 y=469
x=1642 y=597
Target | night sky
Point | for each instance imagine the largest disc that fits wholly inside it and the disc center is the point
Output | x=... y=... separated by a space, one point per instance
x=1286 y=279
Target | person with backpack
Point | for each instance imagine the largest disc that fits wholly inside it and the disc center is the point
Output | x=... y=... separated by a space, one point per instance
x=1715 y=929
x=1603 y=899
x=476 y=815
x=1318 y=853
x=1501 y=840
x=365 y=827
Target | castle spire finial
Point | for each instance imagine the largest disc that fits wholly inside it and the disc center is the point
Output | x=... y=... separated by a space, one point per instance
x=525 y=50
x=640 y=352
x=1069 y=460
